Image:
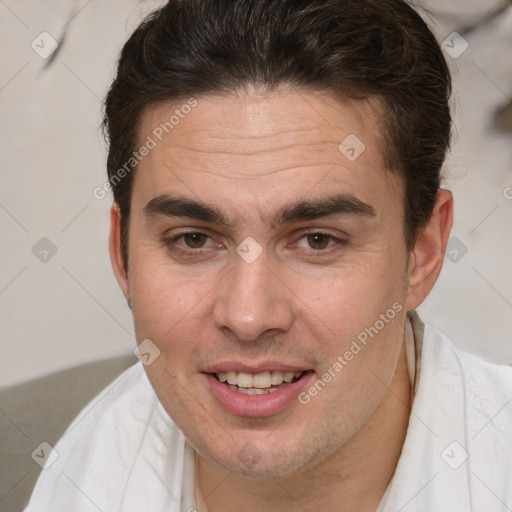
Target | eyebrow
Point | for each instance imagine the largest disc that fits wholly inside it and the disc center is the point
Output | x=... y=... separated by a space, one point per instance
x=335 y=205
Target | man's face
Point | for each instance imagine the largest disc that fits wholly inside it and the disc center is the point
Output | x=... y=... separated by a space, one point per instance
x=292 y=298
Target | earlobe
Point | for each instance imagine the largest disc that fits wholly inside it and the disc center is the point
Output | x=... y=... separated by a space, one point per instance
x=427 y=256
x=116 y=252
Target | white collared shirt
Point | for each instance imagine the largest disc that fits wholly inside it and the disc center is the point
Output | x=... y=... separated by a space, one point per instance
x=124 y=453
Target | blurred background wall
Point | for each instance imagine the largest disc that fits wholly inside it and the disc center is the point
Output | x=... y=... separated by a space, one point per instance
x=59 y=303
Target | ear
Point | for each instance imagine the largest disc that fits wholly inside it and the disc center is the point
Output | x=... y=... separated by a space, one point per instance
x=427 y=256
x=115 y=249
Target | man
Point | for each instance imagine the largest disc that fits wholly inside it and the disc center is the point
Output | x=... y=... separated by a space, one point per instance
x=278 y=217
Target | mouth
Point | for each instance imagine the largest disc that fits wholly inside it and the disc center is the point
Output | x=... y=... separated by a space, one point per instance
x=259 y=383
x=257 y=394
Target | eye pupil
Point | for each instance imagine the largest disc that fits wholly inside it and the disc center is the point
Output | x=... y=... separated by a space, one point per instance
x=318 y=239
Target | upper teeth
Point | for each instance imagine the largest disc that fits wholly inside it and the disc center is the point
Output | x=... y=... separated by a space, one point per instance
x=259 y=380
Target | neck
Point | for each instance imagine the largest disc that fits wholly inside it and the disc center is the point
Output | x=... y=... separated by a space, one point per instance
x=354 y=478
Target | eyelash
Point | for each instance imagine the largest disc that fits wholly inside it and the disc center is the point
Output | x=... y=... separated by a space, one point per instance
x=171 y=243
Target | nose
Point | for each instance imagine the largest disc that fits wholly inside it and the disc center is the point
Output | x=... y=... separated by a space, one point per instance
x=252 y=299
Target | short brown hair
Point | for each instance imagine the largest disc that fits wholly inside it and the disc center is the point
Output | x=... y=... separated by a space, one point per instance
x=354 y=49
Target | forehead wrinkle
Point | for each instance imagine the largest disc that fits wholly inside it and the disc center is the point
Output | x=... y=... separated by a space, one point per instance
x=233 y=149
x=229 y=132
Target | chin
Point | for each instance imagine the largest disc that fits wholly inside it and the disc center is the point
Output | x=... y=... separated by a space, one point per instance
x=252 y=462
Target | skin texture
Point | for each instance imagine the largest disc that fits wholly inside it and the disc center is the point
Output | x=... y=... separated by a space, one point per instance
x=250 y=154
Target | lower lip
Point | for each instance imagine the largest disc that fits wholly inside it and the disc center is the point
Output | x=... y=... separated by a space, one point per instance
x=256 y=406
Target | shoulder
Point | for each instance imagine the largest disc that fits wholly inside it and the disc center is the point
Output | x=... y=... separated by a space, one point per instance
x=126 y=391
x=117 y=437
x=459 y=428
x=447 y=361
x=470 y=390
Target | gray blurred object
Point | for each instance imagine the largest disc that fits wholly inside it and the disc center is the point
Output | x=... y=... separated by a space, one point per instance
x=503 y=118
x=475 y=16
x=467 y=15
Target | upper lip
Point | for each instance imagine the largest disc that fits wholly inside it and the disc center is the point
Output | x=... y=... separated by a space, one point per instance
x=264 y=366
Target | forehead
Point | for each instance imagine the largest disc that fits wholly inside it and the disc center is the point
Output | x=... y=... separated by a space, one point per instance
x=263 y=147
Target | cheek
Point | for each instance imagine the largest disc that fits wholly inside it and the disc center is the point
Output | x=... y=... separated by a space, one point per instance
x=345 y=301
x=167 y=305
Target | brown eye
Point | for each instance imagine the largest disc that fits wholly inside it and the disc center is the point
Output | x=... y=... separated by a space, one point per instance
x=318 y=240
x=195 y=240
